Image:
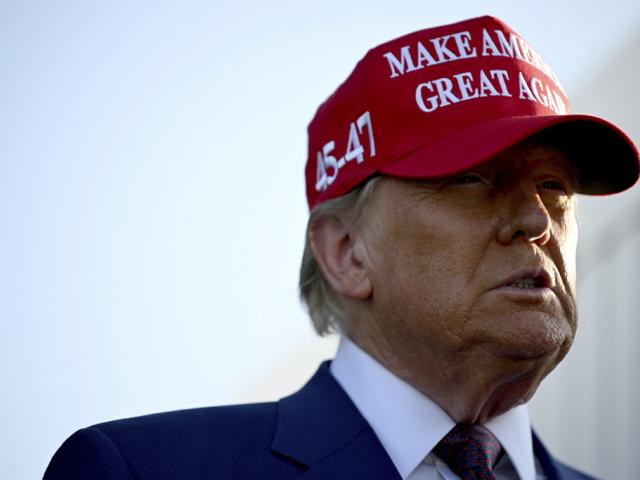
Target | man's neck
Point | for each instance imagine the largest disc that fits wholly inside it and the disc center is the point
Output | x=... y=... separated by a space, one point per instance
x=408 y=423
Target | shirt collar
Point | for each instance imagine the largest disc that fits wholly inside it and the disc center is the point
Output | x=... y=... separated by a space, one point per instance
x=408 y=423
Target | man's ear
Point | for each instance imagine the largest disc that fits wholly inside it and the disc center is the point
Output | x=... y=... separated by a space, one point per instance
x=339 y=257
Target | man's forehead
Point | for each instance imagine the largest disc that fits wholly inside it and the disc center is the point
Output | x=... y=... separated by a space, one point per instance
x=533 y=153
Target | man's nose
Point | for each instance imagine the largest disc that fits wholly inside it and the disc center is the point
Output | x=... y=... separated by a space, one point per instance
x=526 y=217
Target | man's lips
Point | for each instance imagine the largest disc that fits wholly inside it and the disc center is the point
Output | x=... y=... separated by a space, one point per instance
x=529 y=278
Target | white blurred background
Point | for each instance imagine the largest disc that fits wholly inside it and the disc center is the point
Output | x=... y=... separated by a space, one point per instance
x=152 y=209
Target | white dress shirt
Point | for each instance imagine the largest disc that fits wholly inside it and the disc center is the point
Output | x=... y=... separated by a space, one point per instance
x=409 y=424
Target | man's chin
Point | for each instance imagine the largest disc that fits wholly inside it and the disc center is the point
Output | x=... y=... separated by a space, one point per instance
x=532 y=348
x=532 y=335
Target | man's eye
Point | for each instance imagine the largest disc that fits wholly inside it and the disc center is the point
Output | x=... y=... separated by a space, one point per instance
x=467 y=178
x=553 y=185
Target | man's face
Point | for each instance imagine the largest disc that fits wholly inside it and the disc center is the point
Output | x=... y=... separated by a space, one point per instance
x=477 y=265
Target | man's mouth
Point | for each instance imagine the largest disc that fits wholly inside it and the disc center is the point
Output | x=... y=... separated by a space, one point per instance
x=526 y=283
x=528 y=279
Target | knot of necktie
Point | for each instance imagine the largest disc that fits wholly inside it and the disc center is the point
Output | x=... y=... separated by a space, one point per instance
x=470 y=451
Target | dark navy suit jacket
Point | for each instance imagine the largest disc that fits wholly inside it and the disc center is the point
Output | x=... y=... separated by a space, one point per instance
x=316 y=433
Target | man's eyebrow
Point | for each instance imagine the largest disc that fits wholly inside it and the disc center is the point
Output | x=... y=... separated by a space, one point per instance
x=565 y=167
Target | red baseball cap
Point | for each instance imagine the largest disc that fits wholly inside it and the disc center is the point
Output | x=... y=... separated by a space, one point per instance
x=439 y=101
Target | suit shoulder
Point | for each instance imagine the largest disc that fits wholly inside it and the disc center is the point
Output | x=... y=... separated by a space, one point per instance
x=196 y=419
x=206 y=442
x=193 y=431
x=88 y=453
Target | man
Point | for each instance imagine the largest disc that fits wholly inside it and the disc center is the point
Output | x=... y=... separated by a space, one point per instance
x=441 y=180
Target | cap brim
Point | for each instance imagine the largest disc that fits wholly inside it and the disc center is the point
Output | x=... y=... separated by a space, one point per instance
x=606 y=159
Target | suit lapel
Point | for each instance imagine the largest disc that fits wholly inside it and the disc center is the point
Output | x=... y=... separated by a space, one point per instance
x=320 y=427
x=544 y=457
x=364 y=457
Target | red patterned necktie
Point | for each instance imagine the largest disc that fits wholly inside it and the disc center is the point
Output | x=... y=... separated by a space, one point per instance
x=470 y=451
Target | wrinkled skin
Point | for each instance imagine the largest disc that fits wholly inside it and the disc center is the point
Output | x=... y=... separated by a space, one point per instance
x=435 y=251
